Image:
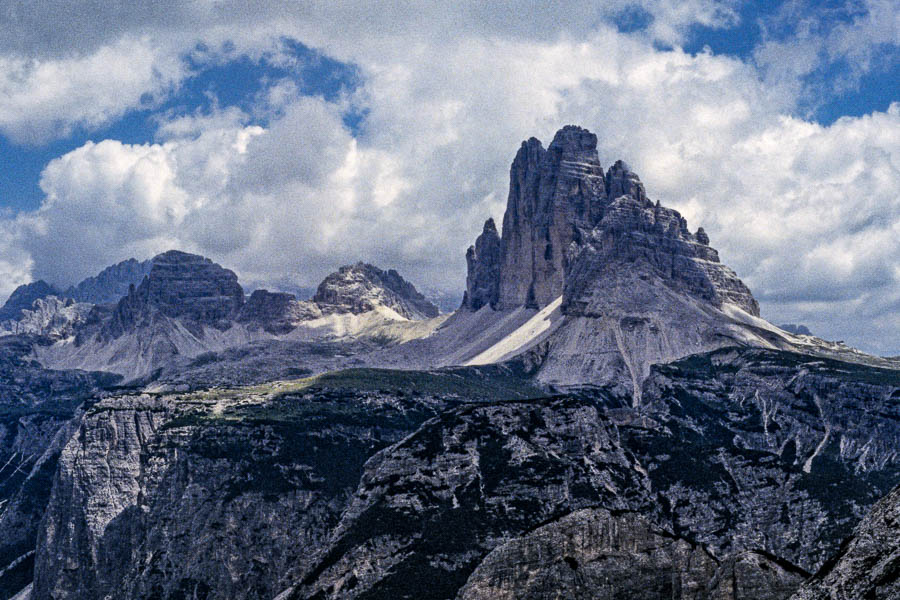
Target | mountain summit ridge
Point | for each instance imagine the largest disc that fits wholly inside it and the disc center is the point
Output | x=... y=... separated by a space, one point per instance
x=563 y=209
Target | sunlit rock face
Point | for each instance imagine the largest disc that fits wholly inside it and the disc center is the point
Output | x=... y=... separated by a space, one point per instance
x=362 y=287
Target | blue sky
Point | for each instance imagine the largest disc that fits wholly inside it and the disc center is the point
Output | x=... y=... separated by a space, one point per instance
x=217 y=80
x=283 y=141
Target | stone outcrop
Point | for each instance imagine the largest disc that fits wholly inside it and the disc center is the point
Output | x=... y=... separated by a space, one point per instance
x=51 y=317
x=362 y=287
x=483 y=261
x=566 y=220
x=112 y=283
x=181 y=286
x=868 y=562
x=428 y=509
x=23 y=298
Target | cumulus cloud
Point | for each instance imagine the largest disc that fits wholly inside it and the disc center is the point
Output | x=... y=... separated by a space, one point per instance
x=807 y=214
x=43 y=99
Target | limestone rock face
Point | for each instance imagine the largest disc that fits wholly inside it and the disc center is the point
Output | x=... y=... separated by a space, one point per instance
x=181 y=286
x=37 y=406
x=868 y=563
x=52 y=317
x=553 y=196
x=112 y=283
x=223 y=494
x=276 y=312
x=594 y=553
x=23 y=297
x=483 y=260
x=563 y=211
x=428 y=509
x=362 y=287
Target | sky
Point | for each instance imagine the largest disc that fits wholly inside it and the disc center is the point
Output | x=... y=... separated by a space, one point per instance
x=286 y=139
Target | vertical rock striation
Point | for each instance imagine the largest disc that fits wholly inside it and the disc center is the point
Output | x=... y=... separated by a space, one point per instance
x=566 y=221
x=181 y=286
x=483 y=261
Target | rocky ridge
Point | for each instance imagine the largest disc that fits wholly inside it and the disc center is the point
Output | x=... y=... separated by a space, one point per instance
x=107 y=287
x=189 y=306
x=564 y=216
x=112 y=283
x=362 y=288
x=23 y=298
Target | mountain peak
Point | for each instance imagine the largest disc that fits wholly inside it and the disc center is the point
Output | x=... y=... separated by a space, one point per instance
x=622 y=181
x=181 y=285
x=363 y=287
x=574 y=138
x=24 y=296
x=561 y=203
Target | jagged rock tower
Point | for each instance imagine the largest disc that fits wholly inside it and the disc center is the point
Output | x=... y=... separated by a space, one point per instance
x=566 y=221
x=623 y=282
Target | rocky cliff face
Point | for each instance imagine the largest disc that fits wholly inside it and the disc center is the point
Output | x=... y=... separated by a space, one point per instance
x=596 y=553
x=553 y=196
x=361 y=288
x=23 y=298
x=742 y=472
x=565 y=219
x=224 y=493
x=112 y=283
x=37 y=408
x=868 y=563
x=780 y=450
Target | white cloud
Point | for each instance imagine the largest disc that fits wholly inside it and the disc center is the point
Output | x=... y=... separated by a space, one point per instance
x=43 y=99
